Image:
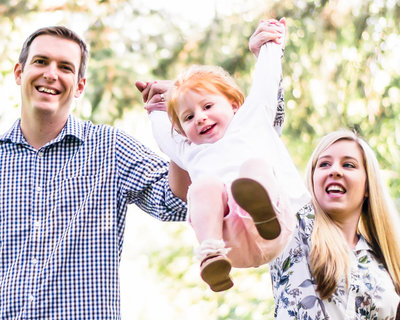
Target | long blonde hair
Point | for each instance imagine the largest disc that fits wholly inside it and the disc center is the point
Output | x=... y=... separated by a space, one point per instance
x=379 y=223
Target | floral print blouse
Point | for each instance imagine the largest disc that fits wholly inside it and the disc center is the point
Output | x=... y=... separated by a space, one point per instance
x=371 y=293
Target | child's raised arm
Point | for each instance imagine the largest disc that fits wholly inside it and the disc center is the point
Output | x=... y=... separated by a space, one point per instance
x=268 y=42
x=268 y=30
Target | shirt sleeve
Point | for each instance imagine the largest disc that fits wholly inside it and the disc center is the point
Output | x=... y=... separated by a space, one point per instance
x=266 y=79
x=143 y=177
x=169 y=141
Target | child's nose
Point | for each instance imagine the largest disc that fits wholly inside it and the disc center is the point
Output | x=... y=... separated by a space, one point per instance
x=201 y=117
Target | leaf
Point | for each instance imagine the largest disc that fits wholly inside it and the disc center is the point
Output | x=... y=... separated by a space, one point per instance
x=308 y=302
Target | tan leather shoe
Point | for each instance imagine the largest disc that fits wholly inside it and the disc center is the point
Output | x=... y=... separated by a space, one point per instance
x=214 y=270
x=252 y=197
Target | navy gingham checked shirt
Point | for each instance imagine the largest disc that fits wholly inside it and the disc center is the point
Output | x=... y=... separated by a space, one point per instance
x=62 y=218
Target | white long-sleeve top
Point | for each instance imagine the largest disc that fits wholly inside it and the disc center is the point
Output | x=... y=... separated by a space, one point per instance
x=250 y=135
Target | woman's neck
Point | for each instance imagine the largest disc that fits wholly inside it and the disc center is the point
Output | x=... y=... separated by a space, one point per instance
x=349 y=230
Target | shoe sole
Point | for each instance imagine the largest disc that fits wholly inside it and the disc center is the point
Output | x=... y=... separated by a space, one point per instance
x=252 y=197
x=215 y=272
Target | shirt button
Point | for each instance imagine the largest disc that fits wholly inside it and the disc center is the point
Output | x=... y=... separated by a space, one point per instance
x=38 y=189
x=31 y=297
x=40 y=154
x=36 y=224
x=35 y=261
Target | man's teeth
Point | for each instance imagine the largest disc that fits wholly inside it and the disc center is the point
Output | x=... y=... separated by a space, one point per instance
x=47 y=90
x=335 y=188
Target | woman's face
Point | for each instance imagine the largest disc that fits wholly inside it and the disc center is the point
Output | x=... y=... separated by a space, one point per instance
x=340 y=179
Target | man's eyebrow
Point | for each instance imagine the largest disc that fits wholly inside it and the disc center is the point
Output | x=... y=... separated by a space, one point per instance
x=46 y=58
x=69 y=63
x=38 y=56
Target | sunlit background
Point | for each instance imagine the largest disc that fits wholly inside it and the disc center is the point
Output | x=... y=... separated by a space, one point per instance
x=341 y=69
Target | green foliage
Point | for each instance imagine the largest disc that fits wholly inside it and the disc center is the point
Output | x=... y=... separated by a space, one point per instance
x=341 y=69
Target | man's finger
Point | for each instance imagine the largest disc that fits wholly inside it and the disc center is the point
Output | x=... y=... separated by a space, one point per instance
x=140 y=85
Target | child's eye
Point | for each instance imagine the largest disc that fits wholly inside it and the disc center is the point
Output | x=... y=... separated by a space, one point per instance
x=207 y=106
x=188 y=117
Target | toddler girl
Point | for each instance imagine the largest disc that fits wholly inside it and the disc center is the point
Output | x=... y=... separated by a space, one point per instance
x=245 y=188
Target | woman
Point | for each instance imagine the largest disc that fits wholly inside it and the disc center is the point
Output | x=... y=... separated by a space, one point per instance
x=343 y=261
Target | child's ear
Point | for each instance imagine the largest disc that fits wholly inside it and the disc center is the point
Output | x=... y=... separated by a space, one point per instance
x=178 y=131
x=235 y=106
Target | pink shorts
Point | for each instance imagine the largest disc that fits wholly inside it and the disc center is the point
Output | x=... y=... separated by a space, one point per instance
x=248 y=248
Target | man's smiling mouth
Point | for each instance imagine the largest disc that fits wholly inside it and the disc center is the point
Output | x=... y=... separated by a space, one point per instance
x=47 y=90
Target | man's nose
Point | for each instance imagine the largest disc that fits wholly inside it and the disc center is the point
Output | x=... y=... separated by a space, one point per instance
x=50 y=73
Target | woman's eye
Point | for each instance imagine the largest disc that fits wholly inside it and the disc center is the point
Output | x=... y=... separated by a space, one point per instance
x=348 y=165
x=323 y=164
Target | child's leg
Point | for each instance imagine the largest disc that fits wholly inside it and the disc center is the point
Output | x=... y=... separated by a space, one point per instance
x=207 y=207
x=256 y=192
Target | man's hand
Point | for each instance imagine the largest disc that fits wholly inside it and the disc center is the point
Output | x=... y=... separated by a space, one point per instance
x=154 y=94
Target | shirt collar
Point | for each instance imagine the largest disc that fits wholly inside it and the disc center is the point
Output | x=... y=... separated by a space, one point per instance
x=73 y=128
x=13 y=134
x=362 y=245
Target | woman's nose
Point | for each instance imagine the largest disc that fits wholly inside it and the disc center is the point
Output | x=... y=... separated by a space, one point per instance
x=336 y=171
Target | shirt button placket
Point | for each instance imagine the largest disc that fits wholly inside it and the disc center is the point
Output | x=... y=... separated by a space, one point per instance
x=36 y=221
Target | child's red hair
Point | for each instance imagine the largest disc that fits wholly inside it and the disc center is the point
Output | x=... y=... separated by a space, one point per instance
x=211 y=79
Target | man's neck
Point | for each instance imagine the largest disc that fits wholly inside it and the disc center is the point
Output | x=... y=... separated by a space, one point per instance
x=39 y=130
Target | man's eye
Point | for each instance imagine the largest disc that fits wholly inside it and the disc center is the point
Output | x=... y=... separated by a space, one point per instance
x=39 y=61
x=67 y=68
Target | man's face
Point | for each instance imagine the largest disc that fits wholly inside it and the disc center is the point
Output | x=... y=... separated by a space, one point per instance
x=49 y=81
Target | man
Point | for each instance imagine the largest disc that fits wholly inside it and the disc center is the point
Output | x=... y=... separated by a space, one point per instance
x=64 y=189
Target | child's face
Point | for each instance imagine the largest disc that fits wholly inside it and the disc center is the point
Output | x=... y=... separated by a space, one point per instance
x=204 y=116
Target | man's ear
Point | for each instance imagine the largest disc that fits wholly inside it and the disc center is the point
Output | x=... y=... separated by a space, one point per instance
x=80 y=87
x=18 y=73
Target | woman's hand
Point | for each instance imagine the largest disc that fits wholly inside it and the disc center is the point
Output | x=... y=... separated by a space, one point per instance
x=267 y=30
